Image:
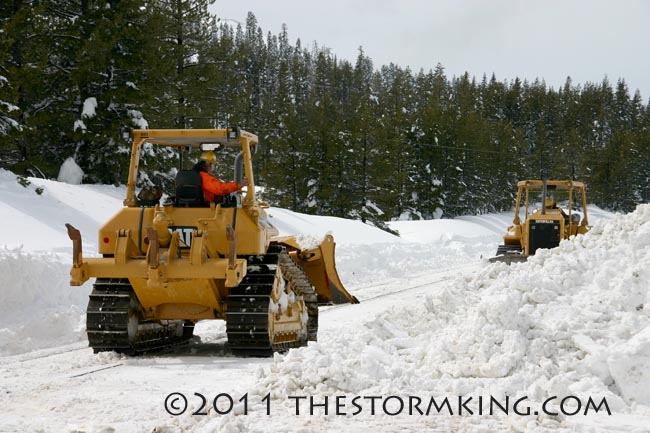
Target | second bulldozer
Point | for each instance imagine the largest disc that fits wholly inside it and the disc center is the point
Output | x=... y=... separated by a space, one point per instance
x=545 y=225
x=163 y=267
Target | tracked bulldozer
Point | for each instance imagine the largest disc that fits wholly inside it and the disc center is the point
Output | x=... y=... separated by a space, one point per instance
x=165 y=266
x=560 y=214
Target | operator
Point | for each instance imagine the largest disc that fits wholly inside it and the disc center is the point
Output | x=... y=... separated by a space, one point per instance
x=212 y=186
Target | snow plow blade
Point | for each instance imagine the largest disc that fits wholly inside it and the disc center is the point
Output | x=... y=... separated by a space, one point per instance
x=509 y=258
x=318 y=263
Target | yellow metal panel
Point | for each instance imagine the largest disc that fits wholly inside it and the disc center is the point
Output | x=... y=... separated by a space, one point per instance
x=189 y=298
x=190 y=137
x=179 y=268
x=252 y=238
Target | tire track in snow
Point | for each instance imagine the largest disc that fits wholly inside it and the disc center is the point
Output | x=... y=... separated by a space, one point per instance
x=440 y=277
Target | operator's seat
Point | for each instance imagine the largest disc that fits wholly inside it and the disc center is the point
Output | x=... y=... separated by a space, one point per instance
x=189 y=190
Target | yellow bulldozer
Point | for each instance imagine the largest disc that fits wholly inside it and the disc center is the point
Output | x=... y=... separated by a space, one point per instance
x=164 y=267
x=560 y=214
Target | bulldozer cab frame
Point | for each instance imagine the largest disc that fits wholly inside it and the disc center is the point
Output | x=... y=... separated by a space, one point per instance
x=526 y=190
x=193 y=139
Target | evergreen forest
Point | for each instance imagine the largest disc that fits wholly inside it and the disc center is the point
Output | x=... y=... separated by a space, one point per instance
x=354 y=140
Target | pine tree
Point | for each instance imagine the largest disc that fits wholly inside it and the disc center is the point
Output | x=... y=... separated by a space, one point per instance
x=7 y=97
x=298 y=127
x=362 y=122
x=110 y=80
x=182 y=65
x=26 y=46
x=395 y=144
x=319 y=139
x=432 y=141
x=66 y=59
x=283 y=153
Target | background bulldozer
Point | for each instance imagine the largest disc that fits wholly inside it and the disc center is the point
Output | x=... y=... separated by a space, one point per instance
x=163 y=267
x=560 y=213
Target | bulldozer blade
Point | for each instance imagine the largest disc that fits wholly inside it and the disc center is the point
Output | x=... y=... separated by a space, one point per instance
x=509 y=258
x=319 y=265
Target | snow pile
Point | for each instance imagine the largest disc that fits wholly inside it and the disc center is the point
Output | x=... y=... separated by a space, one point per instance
x=70 y=172
x=38 y=308
x=574 y=320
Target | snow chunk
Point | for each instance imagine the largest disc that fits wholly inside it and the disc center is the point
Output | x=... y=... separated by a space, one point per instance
x=70 y=172
x=138 y=119
x=308 y=242
x=273 y=307
x=8 y=106
x=283 y=302
x=79 y=124
x=629 y=363
x=90 y=104
x=370 y=205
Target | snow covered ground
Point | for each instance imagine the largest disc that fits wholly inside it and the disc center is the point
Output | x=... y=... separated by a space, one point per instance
x=436 y=320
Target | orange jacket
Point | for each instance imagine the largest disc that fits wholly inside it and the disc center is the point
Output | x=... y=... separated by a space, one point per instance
x=213 y=187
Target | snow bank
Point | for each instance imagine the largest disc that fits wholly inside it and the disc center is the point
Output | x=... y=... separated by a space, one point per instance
x=344 y=231
x=574 y=320
x=38 y=308
x=435 y=230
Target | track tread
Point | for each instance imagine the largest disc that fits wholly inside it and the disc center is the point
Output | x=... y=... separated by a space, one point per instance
x=110 y=305
x=247 y=324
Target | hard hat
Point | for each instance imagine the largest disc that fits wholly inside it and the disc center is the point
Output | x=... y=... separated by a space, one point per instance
x=550 y=202
x=208 y=156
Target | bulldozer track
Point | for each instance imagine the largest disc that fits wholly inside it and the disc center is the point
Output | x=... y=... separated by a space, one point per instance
x=248 y=317
x=114 y=323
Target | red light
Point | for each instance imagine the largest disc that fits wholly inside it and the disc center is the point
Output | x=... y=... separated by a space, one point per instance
x=106 y=239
